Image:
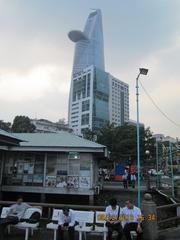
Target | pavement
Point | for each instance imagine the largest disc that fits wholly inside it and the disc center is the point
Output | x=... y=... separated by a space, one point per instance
x=118 y=186
x=43 y=234
x=170 y=234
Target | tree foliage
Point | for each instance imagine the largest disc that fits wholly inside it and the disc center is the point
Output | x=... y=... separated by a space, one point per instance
x=22 y=124
x=6 y=126
x=122 y=142
x=89 y=135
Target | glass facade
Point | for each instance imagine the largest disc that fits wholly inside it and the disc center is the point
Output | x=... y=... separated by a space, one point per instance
x=81 y=87
x=85 y=119
x=85 y=105
x=100 y=100
x=89 y=50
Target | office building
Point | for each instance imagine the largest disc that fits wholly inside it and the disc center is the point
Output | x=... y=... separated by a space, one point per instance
x=119 y=101
x=89 y=48
x=96 y=97
x=46 y=126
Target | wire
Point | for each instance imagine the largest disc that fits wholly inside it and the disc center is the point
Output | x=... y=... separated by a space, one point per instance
x=155 y=104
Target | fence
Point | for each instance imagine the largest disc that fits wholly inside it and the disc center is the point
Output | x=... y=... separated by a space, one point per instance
x=168 y=215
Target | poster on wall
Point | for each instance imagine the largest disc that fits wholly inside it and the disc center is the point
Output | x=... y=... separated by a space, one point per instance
x=73 y=182
x=20 y=168
x=31 y=168
x=61 y=181
x=28 y=168
x=27 y=178
x=38 y=178
x=50 y=181
x=84 y=182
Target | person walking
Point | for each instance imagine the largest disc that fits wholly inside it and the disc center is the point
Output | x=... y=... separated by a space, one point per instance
x=125 y=179
x=133 y=180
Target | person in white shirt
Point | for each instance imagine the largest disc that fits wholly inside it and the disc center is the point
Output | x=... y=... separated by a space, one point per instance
x=15 y=214
x=125 y=179
x=113 y=223
x=133 y=180
x=132 y=217
x=66 y=222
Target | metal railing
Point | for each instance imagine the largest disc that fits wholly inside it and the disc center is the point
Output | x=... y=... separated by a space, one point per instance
x=171 y=219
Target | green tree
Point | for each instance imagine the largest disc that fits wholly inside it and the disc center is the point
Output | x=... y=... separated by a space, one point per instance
x=6 y=126
x=116 y=138
x=22 y=124
x=89 y=134
x=122 y=142
x=150 y=145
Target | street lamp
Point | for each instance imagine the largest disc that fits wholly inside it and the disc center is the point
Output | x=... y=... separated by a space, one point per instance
x=142 y=71
x=147 y=152
x=157 y=164
x=172 y=171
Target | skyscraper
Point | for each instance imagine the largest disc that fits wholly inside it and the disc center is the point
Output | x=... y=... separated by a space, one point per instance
x=96 y=97
x=89 y=49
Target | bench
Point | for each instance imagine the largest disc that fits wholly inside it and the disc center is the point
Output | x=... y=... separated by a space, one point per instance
x=133 y=235
x=85 y=218
x=82 y=217
x=101 y=220
x=54 y=224
x=23 y=225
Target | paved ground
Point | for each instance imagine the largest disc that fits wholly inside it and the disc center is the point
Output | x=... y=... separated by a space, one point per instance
x=42 y=234
x=171 y=234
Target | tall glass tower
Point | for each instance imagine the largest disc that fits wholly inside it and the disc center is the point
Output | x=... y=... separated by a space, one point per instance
x=96 y=97
x=89 y=49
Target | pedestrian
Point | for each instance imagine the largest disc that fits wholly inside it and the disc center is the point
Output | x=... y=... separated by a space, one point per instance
x=66 y=222
x=14 y=215
x=113 y=223
x=125 y=179
x=132 y=218
x=133 y=180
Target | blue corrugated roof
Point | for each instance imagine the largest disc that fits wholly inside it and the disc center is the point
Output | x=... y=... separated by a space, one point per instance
x=10 y=135
x=61 y=139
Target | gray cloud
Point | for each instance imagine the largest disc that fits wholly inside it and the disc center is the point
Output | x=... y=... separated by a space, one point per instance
x=137 y=33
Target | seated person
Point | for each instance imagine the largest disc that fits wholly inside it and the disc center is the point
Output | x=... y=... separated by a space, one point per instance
x=132 y=218
x=66 y=222
x=113 y=212
x=15 y=214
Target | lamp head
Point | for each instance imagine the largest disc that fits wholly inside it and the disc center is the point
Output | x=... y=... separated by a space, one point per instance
x=147 y=152
x=143 y=71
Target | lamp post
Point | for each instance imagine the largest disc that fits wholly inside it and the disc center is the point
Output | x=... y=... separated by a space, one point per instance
x=142 y=71
x=157 y=164
x=147 y=152
x=172 y=172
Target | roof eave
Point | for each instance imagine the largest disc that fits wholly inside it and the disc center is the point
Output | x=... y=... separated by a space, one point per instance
x=58 y=149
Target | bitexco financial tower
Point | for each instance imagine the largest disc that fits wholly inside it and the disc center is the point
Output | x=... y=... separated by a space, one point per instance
x=96 y=97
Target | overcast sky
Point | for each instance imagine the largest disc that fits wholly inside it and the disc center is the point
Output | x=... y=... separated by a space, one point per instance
x=36 y=55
